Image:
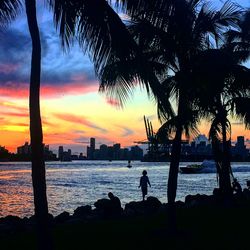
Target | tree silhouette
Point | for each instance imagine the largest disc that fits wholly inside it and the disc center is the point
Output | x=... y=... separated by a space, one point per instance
x=99 y=30
x=169 y=35
x=225 y=93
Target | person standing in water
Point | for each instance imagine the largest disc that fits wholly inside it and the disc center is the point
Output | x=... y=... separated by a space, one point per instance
x=144 y=182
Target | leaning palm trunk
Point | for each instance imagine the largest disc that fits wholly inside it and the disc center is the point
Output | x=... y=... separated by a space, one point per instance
x=36 y=135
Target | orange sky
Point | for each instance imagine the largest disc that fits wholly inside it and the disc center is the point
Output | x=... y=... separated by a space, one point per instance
x=70 y=119
x=72 y=109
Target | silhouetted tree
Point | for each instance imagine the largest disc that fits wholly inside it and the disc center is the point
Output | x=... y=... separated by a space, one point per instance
x=8 y=10
x=229 y=96
x=170 y=34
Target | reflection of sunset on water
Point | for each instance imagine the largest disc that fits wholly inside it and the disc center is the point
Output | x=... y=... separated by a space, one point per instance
x=16 y=195
x=78 y=183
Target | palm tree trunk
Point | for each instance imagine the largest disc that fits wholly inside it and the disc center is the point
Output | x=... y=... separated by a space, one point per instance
x=36 y=134
x=225 y=181
x=173 y=172
x=174 y=166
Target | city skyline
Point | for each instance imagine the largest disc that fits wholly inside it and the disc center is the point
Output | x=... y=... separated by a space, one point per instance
x=87 y=144
x=72 y=109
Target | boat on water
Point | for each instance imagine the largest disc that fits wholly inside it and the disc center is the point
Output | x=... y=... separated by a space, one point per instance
x=207 y=166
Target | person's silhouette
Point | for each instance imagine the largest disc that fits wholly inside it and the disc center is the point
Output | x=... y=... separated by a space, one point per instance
x=236 y=186
x=115 y=204
x=144 y=182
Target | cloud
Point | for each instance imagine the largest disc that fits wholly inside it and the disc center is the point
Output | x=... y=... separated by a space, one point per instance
x=82 y=140
x=113 y=102
x=79 y=120
x=12 y=106
x=21 y=90
x=14 y=114
x=67 y=73
x=237 y=123
x=127 y=132
x=8 y=68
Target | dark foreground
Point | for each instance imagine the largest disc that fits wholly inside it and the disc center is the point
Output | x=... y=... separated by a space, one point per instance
x=203 y=222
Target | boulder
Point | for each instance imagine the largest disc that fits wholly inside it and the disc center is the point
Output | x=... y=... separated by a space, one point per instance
x=61 y=218
x=82 y=211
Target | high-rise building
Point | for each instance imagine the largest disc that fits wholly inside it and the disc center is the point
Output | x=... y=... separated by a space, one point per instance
x=91 y=149
x=60 y=153
x=92 y=143
x=240 y=142
x=240 y=151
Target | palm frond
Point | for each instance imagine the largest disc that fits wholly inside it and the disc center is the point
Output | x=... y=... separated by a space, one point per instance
x=9 y=10
x=215 y=130
x=154 y=10
x=167 y=129
x=98 y=30
x=240 y=106
x=118 y=79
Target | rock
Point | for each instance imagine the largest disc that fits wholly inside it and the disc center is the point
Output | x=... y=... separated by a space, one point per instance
x=61 y=218
x=82 y=211
x=102 y=204
x=11 y=220
x=149 y=206
x=153 y=202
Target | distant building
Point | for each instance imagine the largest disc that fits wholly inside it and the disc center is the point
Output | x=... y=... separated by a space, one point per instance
x=114 y=152
x=48 y=154
x=91 y=149
x=136 y=153
x=239 y=151
x=60 y=153
x=24 y=150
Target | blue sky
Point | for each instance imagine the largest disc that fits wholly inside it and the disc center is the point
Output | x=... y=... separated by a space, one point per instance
x=72 y=108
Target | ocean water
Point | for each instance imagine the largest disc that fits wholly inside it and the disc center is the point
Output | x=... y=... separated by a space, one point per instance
x=73 y=184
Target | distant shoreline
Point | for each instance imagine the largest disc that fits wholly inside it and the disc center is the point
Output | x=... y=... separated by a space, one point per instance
x=167 y=161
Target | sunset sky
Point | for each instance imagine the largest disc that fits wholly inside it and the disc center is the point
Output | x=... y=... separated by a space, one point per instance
x=72 y=109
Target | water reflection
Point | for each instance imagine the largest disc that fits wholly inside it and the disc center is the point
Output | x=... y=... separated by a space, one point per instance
x=80 y=183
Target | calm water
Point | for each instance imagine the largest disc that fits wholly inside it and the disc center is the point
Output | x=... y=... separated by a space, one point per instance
x=74 y=184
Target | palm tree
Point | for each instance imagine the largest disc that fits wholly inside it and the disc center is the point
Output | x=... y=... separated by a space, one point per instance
x=99 y=31
x=170 y=39
x=8 y=11
x=229 y=96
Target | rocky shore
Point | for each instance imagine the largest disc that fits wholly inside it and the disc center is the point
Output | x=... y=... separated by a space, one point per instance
x=148 y=220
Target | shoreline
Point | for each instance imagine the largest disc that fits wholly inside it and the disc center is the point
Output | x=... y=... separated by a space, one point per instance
x=203 y=222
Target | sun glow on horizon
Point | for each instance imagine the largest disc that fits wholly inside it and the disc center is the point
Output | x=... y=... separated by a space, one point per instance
x=72 y=110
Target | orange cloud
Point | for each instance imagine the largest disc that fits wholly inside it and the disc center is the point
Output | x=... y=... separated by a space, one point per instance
x=21 y=90
x=10 y=105
x=79 y=120
x=51 y=91
x=14 y=114
x=113 y=102
x=16 y=90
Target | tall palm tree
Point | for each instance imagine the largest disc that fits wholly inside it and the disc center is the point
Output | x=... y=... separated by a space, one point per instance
x=8 y=11
x=99 y=31
x=36 y=133
x=170 y=40
x=229 y=96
